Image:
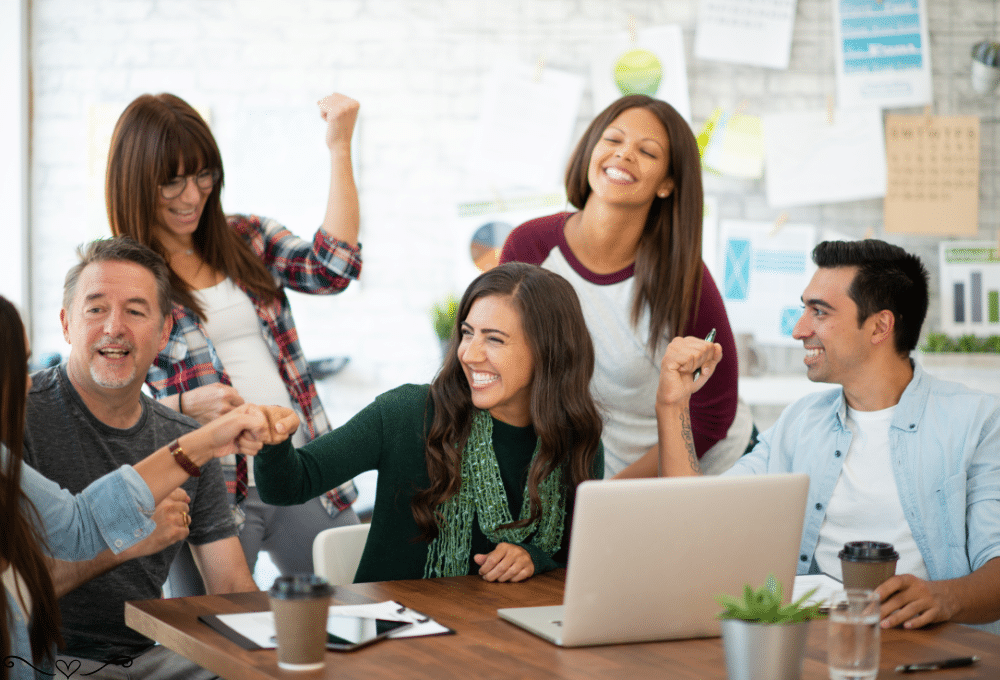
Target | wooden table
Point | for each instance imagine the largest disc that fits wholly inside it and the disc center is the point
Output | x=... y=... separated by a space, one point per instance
x=485 y=646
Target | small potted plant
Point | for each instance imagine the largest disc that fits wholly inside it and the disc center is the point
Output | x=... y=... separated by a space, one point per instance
x=763 y=639
x=985 y=66
x=443 y=319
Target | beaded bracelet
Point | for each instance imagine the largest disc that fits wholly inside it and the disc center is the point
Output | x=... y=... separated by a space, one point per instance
x=178 y=453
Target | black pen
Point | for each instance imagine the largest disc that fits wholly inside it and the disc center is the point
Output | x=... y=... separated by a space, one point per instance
x=937 y=665
x=708 y=338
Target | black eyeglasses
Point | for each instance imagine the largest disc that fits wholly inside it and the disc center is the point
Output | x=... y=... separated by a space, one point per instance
x=204 y=179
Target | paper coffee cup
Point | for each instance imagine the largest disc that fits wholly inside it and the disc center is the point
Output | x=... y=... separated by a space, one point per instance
x=301 y=604
x=867 y=564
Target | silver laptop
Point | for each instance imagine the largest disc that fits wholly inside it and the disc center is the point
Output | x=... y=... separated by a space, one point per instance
x=648 y=556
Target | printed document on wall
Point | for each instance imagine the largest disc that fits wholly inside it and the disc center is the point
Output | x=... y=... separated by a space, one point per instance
x=933 y=171
x=812 y=159
x=764 y=272
x=526 y=120
x=883 y=53
x=652 y=64
x=970 y=288
x=754 y=32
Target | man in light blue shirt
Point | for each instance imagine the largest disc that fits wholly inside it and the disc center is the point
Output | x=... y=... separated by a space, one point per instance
x=894 y=455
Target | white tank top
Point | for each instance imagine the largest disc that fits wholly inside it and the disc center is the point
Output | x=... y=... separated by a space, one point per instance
x=235 y=330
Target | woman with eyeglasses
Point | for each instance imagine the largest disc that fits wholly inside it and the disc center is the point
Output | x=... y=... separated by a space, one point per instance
x=233 y=337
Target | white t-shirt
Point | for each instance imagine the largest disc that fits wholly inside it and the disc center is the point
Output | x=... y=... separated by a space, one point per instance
x=865 y=503
x=235 y=330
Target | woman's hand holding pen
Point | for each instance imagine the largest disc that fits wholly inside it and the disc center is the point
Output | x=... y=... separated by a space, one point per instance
x=687 y=365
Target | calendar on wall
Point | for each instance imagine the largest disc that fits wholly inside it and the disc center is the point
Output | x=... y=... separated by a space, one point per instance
x=933 y=174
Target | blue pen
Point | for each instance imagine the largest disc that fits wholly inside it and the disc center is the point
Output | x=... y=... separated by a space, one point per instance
x=708 y=338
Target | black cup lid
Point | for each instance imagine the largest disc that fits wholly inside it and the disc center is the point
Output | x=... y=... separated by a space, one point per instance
x=868 y=551
x=300 y=586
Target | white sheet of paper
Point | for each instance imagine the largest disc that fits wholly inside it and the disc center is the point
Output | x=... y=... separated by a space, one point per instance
x=259 y=626
x=825 y=586
x=621 y=67
x=710 y=238
x=810 y=160
x=754 y=32
x=883 y=53
x=763 y=276
x=278 y=165
x=527 y=117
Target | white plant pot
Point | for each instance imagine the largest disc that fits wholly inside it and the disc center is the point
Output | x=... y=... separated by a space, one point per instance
x=984 y=77
x=756 y=651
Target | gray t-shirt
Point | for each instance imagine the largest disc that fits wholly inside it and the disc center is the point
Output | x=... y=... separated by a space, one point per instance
x=67 y=444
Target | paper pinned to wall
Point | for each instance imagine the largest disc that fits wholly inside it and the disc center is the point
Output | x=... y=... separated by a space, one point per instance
x=710 y=237
x=883 y=53
x=483 y=224
x=763 y=276
x=754 y=32
x=653 y=64
x=970 y=287
x=278 y=165
x=736 y=146
x=527 y=117
x=933 y=171
x=811 y=160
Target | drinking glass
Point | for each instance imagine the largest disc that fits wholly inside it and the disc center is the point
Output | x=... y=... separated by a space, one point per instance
x=853 y=635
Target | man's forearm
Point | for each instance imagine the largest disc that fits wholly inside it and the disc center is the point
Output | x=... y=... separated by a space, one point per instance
x=678 y=456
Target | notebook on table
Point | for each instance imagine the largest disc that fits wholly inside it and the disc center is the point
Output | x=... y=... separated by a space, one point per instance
x=648 y=556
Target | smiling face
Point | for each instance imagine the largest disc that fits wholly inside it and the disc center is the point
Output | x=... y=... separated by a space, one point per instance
x=630 y=162
x=497 y=360
x=178 y=217
x=837 y=350
x=114 y=326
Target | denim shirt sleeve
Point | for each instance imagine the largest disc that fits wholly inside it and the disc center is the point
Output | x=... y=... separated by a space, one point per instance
x=113 y=512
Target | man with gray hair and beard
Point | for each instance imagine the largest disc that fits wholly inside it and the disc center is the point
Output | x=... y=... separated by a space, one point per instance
x=87 y=417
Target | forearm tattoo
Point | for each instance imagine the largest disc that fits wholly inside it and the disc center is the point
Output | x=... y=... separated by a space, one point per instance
x=688 y=436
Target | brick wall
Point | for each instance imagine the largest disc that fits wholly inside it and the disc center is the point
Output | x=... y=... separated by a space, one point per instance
x=416 y=66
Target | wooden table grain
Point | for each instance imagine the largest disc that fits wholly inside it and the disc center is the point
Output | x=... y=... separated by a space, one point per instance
x=485 y=646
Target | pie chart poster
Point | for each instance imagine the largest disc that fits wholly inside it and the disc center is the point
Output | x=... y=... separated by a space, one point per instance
x=652 y=64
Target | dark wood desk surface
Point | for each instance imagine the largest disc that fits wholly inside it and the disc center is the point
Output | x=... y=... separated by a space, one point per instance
x=487 y=647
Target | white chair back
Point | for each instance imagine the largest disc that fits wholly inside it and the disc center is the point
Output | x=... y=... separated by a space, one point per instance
x=337 y=552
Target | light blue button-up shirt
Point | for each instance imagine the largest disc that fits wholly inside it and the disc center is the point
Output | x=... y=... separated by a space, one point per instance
x=945 y=445
x=114 y=512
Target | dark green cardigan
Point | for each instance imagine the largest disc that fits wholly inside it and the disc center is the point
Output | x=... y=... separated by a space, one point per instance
x=388 y=436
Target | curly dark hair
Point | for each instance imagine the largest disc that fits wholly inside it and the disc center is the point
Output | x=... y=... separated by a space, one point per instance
x=563 y=412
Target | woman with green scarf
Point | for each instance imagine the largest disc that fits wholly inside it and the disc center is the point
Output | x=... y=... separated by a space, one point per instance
x=508 y=427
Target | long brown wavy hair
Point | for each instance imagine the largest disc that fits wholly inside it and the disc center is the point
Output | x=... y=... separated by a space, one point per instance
x=563 y=412
x=668 y=265
x=153 y=136
x=20 y=542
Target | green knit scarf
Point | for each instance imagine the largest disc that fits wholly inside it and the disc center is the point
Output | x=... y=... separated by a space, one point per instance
x=482 y=495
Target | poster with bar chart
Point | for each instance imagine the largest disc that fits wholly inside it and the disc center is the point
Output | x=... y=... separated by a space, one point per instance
x=970 y=288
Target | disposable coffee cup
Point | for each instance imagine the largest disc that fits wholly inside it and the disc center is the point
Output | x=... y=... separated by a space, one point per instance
x=300 y=603
x=867 y=564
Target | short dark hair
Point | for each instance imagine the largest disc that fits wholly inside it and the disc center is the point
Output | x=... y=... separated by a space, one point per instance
x=888 y=277
x=120 y=250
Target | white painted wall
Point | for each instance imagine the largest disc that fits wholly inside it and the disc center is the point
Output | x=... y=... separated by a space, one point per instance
x=417 y=68
x=14 y=151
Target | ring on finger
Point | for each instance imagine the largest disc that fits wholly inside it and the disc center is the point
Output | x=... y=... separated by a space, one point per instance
x=187 y=519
